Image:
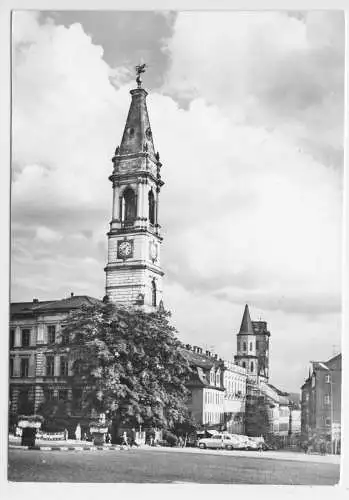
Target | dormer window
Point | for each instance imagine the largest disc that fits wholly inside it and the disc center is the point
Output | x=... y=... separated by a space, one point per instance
x=212 y=377
x=148 y=133
x=131 y=131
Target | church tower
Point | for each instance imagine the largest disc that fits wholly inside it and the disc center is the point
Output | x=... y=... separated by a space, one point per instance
x=253 y=347
x=133 y=272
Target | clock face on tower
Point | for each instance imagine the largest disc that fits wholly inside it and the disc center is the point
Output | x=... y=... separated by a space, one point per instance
x=125 y=249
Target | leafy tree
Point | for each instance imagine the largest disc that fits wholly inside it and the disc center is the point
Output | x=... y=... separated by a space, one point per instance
x=128 y=365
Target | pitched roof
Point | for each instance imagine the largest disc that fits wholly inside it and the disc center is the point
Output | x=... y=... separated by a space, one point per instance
x=73 y=302
x=199 y=360
x=23 y=307
x=246 y=323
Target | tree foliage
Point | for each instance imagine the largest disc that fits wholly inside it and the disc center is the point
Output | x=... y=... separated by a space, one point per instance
x=128 y=364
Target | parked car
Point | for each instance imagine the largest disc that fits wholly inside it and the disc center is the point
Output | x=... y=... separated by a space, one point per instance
x=221 y=441
x=256 y=444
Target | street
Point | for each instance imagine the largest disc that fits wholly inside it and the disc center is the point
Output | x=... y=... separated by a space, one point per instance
x=166 y=466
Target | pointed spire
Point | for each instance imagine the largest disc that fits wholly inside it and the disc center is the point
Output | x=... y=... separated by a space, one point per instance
x=246 y=323
x=137 y=136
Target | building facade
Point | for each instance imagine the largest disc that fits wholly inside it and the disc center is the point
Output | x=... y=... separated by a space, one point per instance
x=37 y=372
x=133 y=271
x=217 y=391
x=321 y=401
x=234 y=382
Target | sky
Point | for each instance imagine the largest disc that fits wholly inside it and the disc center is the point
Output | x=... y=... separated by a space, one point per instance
x=247 y=112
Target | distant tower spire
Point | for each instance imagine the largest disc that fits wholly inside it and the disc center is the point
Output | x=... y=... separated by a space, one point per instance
x=137 y=137
x=246 y=323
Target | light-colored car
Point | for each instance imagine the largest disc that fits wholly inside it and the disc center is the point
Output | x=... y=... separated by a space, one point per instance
x=221 y=441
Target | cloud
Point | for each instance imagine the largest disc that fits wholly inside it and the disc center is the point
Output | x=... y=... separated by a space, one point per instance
x=251 y=210
x=46 y=234
x=268 y=69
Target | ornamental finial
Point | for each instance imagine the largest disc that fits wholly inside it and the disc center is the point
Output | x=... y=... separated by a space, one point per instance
x=139 y=70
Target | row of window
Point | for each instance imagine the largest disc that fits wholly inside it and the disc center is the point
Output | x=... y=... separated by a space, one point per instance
x=244 y=365
x=26 y=334
x=213 y=398
x=212 y=417
x=233 y=386
x=50 y=366
x=23 y=369
x=327 y=398
x=244 y=345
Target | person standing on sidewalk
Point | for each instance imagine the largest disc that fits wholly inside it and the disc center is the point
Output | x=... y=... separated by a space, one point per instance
x=78 y=433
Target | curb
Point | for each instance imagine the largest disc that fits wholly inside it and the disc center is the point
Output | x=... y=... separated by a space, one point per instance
x=66 y=448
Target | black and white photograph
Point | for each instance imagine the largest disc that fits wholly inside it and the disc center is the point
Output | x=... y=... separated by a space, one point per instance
x=176 y=247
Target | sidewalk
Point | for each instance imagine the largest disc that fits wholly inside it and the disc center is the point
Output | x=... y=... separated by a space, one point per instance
x=73 y=445
x=68 y=445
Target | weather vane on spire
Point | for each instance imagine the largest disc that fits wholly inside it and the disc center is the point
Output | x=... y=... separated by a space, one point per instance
x=139 y=70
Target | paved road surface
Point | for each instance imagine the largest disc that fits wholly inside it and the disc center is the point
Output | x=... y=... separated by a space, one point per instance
x=164 y=466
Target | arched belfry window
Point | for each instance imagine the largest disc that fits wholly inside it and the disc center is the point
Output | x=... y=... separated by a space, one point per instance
x=128 y=205
x=153 y=293
x=151 y=204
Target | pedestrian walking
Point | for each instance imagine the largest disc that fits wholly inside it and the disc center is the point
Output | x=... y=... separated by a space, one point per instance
x=133 y=440
x=124 y=440
x=78 y=433
x=65 y=434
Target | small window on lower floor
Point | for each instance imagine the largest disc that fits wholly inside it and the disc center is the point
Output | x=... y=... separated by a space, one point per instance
x=328 y=421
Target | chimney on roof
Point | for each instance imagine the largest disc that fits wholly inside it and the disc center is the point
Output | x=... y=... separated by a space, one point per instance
x=35 y=301
x=208 y=353
x=199 y=350
x=71 y=294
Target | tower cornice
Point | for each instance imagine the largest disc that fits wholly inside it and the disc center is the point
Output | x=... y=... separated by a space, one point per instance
x=143 y=175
